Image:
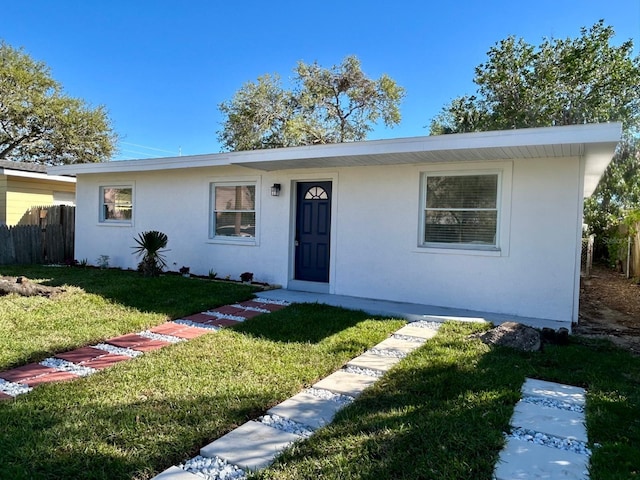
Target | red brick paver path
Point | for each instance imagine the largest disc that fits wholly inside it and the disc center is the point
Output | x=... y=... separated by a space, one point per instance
x=35 y=374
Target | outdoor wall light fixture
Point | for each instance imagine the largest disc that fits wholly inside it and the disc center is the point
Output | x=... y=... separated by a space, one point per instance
x=275 y=190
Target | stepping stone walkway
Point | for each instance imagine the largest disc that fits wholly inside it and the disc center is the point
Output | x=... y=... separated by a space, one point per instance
x=549 y=437
x=255 y=444
x=88 y=360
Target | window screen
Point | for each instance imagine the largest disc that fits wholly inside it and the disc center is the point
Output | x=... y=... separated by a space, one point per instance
x=234 y=210
x=461 y=209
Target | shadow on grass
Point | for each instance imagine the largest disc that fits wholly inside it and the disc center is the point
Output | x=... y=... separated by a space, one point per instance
x=308 y=323
x=122 y=441
x=440 y=414
x=172 y=295
x=430 y=419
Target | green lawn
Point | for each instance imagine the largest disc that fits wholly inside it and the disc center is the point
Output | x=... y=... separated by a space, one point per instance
x=439 y=414
x=98 y=304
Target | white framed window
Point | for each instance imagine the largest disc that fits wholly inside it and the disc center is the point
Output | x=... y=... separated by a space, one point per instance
x=116 y=204
x=461 y=210
x=233 y=211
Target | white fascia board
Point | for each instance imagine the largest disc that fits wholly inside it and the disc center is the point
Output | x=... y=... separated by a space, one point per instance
x=532 y=137
x=564 y=135
x=36 y=175
x=142 y=165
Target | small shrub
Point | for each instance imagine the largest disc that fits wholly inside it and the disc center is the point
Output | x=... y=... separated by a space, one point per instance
x=103 y=261
x=150 y=245
x=212 y=274
x=246 y=276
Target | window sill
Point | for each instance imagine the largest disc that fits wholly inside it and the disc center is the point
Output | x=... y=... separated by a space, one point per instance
x=115 y=224
x=480 y=251
x=249 y=242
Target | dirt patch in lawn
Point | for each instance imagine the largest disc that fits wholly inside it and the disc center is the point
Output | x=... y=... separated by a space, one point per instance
x=610 y=308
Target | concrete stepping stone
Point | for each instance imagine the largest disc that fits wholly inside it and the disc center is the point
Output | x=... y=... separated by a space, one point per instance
x=251 y=446
x=374 y=362
x=556 y=391
x=81 y=354
x=551 y=421
x=526 y=460
x=26 y=372
x=346 y=383
x=403 y=346
x=419 y=332
x=175 y=473
x=307 y=409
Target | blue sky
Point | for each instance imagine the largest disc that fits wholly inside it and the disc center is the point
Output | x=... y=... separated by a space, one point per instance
x=162 y=67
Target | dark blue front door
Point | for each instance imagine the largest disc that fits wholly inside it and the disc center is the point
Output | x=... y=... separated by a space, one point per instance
x=313 y=231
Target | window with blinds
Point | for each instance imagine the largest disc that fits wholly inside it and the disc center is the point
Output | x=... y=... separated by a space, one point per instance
x=233 y=210
x=461 y=209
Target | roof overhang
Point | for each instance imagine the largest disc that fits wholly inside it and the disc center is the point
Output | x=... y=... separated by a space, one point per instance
x=595 y=143
x=35 y=175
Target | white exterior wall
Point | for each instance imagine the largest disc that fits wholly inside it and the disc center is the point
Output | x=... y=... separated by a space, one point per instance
x=375 y=230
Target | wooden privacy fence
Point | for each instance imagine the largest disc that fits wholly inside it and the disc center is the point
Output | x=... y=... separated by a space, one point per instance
x=45 y=235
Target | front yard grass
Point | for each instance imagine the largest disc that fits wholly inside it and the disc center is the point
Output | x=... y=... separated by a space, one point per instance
x=98 y=304
x=439 y=414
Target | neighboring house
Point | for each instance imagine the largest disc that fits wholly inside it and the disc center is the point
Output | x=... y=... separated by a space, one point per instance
x=26 y=185
x=485 y=221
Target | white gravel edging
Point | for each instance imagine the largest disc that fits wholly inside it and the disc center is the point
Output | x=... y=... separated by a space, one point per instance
x=271 y=301
x=369 y=372
x=65 y=366
x=286 y=425
x=251 y=309
x=426 y=324
x=387 y=352
x=531 y=436
x=408 y=338
x=329 y=395
x=213 y=468
x=189 y=323
x=117 y=350
x=160 y=336
x=13 y=389
x=225 y=316
x=550 y=402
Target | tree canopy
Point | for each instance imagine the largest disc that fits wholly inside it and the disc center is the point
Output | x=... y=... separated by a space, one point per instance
x=39 y=123
x=561 y=82
x=338 y=104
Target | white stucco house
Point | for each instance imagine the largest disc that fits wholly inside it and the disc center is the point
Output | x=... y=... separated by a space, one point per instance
x=485 y=221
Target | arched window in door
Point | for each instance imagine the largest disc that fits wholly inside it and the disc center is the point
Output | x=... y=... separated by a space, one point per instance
x=316 y=193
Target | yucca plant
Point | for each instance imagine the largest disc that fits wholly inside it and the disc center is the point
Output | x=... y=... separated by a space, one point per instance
x=150 y=245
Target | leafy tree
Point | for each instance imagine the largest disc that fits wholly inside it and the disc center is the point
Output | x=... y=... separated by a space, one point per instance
x=41 y=124
x=562 y=82
x=340 y=104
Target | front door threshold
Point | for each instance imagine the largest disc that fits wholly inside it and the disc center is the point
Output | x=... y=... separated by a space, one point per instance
x=304 y=286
